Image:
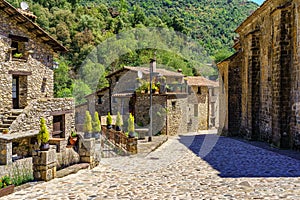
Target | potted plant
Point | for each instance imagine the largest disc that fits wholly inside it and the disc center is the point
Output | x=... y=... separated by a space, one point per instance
x=43 y=136
x=6 y=186
x=87 y=125
x=96 y=126
x=119 y=122
x=5 y=131
x=18 y=55
x=73 y=138
x=131 y=132
x=109 y=121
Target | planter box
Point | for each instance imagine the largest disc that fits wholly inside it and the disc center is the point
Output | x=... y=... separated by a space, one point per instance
x=7 y=190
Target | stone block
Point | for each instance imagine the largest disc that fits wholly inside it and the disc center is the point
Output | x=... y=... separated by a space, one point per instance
x=87 y=159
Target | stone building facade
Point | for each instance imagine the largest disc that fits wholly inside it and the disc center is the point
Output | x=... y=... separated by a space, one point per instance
x=26 y=85
x=179 y=110
x=261 y=80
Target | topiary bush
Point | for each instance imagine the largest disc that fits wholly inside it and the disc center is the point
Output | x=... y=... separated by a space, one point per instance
x=109 y=121
x=96 y=123
x=87 y=123
x=131 y=132
x=119 y=122
x=43 y=136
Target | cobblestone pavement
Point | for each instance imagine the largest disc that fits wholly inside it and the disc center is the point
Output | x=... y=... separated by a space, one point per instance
x=191 y=166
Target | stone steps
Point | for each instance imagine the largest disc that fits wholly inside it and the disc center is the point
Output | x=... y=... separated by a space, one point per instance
x=10 y=119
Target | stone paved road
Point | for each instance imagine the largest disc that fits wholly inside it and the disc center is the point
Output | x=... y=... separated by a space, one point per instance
x=185 y=167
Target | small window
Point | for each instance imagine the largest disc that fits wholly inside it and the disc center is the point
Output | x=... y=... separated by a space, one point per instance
x=115 y=100
x=199 y=90
x=100 y=99
x=117 y=78
x=196 y=110
x=18 y=46
x=44 y=83
x=173 y=104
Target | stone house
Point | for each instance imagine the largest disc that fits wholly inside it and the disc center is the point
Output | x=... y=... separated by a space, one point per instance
x=203 y=101
x=173 y=111
x=26 y=85
x=260 y=82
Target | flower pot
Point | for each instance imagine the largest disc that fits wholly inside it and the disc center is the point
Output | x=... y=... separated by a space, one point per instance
x=131 y=135
x=109 y=126
x=118 y=128
x=44 y=147
x=73 y=140
x=7 y=190
x=96 y=135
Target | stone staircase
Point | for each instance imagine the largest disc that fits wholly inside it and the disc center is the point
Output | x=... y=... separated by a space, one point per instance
x=9 y=118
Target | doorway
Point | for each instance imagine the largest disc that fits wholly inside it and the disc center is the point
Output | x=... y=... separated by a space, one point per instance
x=58 y=126
x=16 y=92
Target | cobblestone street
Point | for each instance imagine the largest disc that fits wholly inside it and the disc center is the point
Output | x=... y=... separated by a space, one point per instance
x=185 y=167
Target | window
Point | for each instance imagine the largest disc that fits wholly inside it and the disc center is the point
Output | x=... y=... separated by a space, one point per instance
x=18 y=46
x=43 y=88
x=173 y=104
x=196 y=110
x=199 y=90
x=100 y=99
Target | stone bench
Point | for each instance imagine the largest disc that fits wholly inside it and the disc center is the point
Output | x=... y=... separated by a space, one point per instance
x=142 y=132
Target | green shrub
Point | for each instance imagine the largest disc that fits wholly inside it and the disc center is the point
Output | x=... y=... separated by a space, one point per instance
x=96 y=123
x=119 y=120
x=5 y=181
x=87 y=122
x=73 y=134
x=43 y=136
x=108 y=119
x=131 y=123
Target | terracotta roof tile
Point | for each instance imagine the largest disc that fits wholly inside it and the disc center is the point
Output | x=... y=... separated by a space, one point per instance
x=201 y=81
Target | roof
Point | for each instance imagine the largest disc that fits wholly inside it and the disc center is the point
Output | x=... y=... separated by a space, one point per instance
x=146 y=70
x=30 y=25
x=253 y=15
x=229 y=58
x=123 y=94
x=201 y=81
x=98 y=91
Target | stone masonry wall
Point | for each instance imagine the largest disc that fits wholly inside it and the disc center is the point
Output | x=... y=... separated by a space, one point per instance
x=34 y=81
x=30 y=118
x=42 y=52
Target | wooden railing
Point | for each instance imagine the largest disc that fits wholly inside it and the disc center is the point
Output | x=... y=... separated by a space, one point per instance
x=119 y=139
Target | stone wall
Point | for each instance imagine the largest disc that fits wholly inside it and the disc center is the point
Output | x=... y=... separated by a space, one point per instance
x=42 y=52
x=269 y=71
x=102 y=107
x=80 y=115
x=142 y=111
x=30 y=118
x=36 y=84
x=177 y=114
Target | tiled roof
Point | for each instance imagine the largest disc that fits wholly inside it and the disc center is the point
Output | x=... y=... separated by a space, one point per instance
x=30 y=25
x=163 y=72
x=146 y=70
x=201 y=81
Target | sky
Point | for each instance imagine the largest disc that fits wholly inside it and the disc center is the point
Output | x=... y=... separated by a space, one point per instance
x=259 y=1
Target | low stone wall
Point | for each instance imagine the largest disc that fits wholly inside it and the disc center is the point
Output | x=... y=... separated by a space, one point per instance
x=44 y=107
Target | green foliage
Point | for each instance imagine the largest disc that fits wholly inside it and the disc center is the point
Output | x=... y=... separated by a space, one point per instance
x=87 y=123
x=73 y=134
x=108 y=119
x=119 y=120
x=5 y=181
x=18 y=55
x=131 y=123
x=21 y=173
x=96 y=123
x=43 y=136
x=81 y=25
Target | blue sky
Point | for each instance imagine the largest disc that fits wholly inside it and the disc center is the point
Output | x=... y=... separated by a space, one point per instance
x=259 y=1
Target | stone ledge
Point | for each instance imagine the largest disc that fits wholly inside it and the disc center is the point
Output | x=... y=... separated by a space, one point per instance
x=18 y=135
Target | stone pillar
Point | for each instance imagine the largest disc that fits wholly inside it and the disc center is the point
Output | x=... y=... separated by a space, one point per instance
x=44 y=165
x=5 y=152
x=87 y=151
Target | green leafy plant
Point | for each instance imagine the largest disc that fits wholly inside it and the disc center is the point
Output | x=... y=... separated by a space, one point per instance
x=21 y=173
x=131 y=132
x=43 y=136
x=87 y=122
x=73 y=134
x=119 y=122
x=108 y=119
x=96 y=123
x=5 y=181
x=18 y=55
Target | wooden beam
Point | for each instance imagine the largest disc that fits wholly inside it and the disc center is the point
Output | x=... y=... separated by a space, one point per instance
x=63 y=112
x=18 y=38
x=21 y=73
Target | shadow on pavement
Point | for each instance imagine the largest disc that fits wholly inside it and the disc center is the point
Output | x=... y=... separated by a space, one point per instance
x=234 y=158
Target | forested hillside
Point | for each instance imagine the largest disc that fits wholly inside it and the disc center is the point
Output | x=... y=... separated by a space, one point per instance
x=81 y=25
